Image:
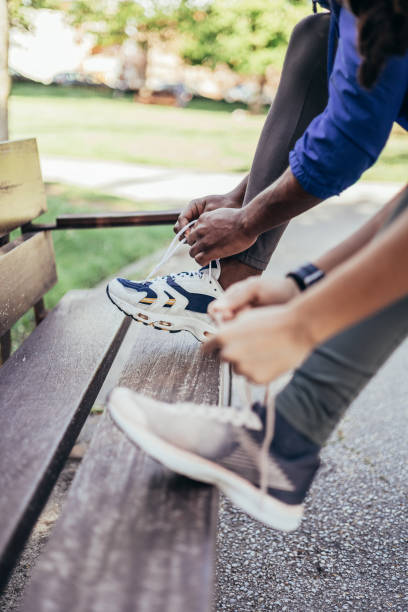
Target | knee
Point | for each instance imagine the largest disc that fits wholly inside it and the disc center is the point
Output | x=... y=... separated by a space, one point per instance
x=308 y=47
x=311 y=29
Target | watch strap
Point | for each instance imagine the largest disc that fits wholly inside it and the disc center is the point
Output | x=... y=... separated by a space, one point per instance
x=306 y=275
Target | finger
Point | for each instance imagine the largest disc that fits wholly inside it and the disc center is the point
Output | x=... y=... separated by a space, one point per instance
x=197 y=246
x=237 y=369
x=250 y=373
x=195 y=233
x=219 y=314
x=223 y=310
x=240 y=295
x=207 y=255
x=212 y=344
x=189 y=213
x=226 y=354
x=200 y=246
x=183 y=221
x=202 y=259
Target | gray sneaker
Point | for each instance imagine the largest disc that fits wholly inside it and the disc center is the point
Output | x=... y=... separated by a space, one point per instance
x=228 y=447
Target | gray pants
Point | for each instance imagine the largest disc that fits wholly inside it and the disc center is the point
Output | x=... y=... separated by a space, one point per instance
x=323 y=387
x=326 y=383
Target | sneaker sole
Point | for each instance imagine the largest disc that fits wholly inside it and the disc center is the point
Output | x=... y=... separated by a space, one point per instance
x=264 y=508
x=167 y=322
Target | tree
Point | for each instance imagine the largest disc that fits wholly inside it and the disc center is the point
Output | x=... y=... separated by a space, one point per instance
x=114 y=21
x=247 y=35
x=12 y=13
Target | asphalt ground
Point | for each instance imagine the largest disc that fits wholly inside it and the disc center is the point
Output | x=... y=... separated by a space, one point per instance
x=351 y=551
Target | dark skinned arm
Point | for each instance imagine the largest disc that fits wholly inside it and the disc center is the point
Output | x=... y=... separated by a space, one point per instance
x=226 y=232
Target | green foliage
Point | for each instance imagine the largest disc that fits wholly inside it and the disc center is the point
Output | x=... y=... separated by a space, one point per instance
x=18 y=14
x=114 y=22
x=247 y=35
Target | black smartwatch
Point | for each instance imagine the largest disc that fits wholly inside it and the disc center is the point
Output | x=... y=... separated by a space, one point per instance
x=306 y=275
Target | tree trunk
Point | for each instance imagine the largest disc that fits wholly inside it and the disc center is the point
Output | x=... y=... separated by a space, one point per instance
x=256 y=106
x=143 y=65
x=4 y=77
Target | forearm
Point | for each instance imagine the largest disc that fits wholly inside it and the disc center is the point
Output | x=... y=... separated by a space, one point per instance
x=357 y=240
x=277 y=204
x=369 y=281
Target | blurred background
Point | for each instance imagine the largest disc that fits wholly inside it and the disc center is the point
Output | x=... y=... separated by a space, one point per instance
x=143 y=104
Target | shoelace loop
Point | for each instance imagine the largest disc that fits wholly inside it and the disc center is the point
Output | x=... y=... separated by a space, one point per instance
x=173 y=247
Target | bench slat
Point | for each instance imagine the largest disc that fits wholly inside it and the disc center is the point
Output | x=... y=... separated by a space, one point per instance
x=27 y=272
x=133 y=535
x=22 y=193
x=46 y=391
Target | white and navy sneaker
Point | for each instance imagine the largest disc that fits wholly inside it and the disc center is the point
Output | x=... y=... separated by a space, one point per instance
x=265 y=468
x=174 y=302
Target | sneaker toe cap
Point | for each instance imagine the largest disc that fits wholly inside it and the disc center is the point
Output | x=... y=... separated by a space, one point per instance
x=116 y=288
x=124 y=409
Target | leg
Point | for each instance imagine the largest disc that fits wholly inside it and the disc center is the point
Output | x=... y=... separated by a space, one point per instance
x=302 y=95
x=334 y=374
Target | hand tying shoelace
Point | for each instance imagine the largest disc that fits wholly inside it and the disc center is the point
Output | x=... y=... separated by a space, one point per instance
x=247 y=401
x=173 y=247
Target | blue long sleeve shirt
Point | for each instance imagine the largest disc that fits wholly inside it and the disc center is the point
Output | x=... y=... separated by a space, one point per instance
x=348 y=137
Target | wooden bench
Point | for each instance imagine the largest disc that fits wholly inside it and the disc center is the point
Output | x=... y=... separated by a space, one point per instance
x=132 y=535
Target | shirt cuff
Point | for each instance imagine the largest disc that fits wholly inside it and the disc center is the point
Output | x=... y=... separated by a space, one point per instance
x=309 y=183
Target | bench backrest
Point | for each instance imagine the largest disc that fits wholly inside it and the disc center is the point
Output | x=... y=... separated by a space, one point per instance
x=27 y=262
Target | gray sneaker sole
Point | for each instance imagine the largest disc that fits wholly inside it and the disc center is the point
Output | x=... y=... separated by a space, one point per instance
x=251 y=499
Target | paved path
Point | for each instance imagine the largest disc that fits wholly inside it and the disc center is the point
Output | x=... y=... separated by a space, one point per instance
x=351 y=551
x=167 y=186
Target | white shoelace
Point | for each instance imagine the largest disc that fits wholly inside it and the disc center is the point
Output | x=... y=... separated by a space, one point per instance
x=261 y=458
x=173 y=247
x=245 y=393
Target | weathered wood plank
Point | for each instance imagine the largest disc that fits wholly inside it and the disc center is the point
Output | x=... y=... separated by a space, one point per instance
x=22 y=193
x=46 y=391
x=134 y=536
x=27 y=272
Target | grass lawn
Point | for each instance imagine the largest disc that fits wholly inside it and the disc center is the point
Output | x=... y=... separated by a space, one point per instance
x=206 y=135
x=86 y=257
